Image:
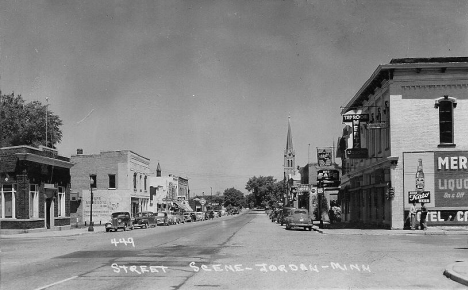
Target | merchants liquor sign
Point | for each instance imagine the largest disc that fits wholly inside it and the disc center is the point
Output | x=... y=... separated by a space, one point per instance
x=440 y=180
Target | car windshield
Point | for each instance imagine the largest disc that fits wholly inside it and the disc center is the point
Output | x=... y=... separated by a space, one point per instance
x=116 y=214
x=300 y=212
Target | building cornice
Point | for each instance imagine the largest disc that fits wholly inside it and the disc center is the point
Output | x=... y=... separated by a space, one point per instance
x=43 y=160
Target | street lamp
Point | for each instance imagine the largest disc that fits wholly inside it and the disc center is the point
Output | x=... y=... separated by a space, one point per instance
x=91 y=228
x=211 y=199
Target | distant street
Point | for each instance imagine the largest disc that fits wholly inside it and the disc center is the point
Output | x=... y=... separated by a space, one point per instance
x=245 y=251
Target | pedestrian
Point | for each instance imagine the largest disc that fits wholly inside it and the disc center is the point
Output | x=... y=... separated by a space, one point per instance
x=422 y=219
x=412 y=215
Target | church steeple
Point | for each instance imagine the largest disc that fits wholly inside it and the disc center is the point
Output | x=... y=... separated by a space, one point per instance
x=158 y=171
x=289 y=153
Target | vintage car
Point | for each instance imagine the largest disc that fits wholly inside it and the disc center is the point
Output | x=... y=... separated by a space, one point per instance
x=187 y=216
x=200 y=216
x=283 y=213
x=145 y=219
x=298 y=218
x=174 y=218
x=162 y=219
x=119 y=220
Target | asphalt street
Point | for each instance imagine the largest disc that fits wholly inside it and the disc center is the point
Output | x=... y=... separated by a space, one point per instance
x=245 y=251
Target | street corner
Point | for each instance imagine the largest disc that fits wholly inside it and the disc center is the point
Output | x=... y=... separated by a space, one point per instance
x=457 y=272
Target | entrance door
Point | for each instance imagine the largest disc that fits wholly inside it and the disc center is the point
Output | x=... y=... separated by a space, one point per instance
x=47 y=213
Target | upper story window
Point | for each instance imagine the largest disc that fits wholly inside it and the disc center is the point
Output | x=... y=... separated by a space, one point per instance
x=134 y=181
x=93 y=181
x=112 y=181
x=446 y=106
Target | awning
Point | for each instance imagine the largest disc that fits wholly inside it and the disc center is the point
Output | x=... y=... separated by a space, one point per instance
x=183 y=205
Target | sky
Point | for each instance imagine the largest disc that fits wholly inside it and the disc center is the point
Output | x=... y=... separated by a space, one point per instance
x=205 y=88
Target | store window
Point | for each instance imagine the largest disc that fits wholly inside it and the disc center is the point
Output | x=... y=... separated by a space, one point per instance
x=446 y=106
x=33 y=201
x=93 y=181
x=7 y=201
x=61 y=201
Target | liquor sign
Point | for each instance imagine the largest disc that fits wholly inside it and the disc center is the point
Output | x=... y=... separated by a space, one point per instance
x=451 y=178
x=419 y=196
x=357 y=153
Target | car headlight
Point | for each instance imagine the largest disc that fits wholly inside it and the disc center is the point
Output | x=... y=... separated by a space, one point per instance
x=119 y=220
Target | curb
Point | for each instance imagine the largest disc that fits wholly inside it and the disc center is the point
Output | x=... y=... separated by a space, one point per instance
x=454 y=275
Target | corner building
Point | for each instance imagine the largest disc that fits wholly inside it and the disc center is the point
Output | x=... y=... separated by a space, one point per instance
x=406 y=139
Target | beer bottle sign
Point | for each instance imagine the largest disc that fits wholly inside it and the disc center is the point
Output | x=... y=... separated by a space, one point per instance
x=420 y=177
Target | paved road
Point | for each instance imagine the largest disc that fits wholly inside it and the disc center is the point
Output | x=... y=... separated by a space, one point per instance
x=236 y=252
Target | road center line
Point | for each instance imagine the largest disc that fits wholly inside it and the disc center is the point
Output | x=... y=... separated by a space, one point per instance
x=53 y=284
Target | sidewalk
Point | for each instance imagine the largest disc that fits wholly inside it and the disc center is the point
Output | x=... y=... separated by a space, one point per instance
x=458 y=271
x=55 y=232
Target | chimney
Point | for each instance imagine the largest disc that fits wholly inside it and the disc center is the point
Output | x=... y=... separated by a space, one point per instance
x=79 y=151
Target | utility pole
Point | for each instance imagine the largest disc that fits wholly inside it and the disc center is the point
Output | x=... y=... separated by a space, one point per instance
x=46 y=113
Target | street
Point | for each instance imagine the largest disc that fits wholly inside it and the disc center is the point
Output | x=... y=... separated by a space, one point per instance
x=245 y=251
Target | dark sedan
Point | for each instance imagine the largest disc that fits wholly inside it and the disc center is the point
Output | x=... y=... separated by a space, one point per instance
x=298 y=218
x=119 y=220
x=145 y=219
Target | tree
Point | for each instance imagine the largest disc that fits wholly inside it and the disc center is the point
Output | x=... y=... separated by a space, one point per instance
x=233 y=197
x=265 y=189
x=24 y=123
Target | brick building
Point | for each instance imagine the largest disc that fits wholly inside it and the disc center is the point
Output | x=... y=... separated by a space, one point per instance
x=410 y=117
x=34 y=188
x=119 y=181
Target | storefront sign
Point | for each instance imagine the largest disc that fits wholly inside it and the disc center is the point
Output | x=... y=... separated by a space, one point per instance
x=357 y=153
x=380 y=125
x=324 y=156
x=444 y=217
x=419 y=196
x=355 y=117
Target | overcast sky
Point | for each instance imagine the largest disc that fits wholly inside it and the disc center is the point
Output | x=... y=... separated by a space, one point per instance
x=205 y=88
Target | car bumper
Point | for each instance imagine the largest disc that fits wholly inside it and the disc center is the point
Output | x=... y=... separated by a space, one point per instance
x=299 y=224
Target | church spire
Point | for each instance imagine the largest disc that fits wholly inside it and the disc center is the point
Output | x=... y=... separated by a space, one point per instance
x=289 y=143
x=158 y=171
x=289 y=153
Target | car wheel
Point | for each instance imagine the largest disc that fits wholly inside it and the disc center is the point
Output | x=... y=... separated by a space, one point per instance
x=310 y=228
x=107 y=230
x=125 y=228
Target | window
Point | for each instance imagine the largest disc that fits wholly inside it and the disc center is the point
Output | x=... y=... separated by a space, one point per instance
x=93 y=183
x=112 y=181
x=146 y=177
x=446 y=106
x=134 y=181
x=8 y=200
x=33 y=201
x=61 y=201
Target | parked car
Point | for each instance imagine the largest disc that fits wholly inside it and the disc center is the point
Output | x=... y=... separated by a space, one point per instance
x=200 y=216
x=145 y=219
x=174 y=218
x=298 y=218
x=162 y=219
x=187 y=216
x=119 y=220
x=284 y=212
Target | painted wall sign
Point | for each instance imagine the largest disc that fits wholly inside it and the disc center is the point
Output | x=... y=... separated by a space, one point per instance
x=443 y=174
x=381 y=125
x=451 y=178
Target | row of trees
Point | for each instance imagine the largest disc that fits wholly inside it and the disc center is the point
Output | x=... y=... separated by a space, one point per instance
x=265 y=191
x=24 y=123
